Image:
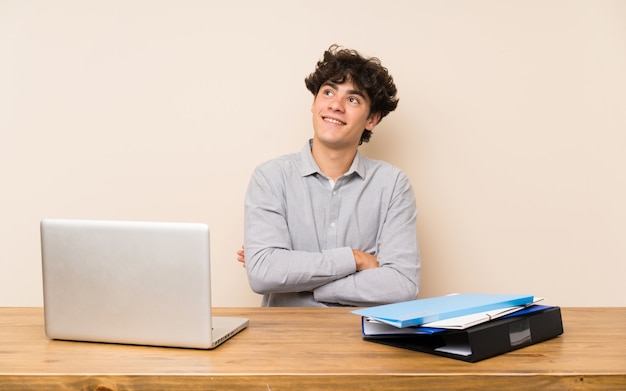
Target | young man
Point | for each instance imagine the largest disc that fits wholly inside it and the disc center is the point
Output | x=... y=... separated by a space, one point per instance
x=328 y=226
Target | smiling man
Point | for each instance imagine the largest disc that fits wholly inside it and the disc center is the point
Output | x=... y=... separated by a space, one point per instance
x=328 y=226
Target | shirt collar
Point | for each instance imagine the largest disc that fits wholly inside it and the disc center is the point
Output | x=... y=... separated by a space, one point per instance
x=308 y=166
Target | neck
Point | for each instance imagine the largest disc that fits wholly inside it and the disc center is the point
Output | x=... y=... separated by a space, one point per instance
x=333 y=162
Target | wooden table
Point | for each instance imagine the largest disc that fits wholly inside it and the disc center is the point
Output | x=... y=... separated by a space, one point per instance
x=310 y=348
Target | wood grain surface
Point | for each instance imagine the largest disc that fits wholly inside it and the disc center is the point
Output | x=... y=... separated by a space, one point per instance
x=310 y=349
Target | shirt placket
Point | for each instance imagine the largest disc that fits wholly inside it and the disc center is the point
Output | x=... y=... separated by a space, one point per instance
x=333 y=216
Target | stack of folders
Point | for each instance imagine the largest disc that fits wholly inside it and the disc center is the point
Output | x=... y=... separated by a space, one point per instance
x=469 y=327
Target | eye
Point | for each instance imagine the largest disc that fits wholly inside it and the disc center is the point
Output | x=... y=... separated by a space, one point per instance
x=327 y=92
x=354 y=100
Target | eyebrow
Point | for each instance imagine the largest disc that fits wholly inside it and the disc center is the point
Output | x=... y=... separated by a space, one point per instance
x=350 y=92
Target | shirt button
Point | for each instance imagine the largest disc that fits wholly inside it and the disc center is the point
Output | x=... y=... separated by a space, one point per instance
x=332 y=225
x=334 y=192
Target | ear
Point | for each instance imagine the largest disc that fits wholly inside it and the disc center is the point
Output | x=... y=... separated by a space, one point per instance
x=372 y=121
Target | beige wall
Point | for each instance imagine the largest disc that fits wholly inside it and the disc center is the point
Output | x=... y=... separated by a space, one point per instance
x=511 y=127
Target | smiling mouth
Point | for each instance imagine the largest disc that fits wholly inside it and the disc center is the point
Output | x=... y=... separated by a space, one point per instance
x=333 y=121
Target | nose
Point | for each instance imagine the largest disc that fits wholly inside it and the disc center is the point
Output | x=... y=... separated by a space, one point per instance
x=336 y=104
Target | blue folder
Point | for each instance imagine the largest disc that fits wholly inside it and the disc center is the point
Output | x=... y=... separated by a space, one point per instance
x=417 y=312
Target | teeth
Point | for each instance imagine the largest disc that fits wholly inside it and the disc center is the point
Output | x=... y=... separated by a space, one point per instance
x=333 y=121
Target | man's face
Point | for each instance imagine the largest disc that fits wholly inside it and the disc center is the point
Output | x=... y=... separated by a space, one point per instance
x=340 y=114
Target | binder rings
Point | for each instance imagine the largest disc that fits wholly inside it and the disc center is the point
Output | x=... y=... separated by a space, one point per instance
x=523 y=328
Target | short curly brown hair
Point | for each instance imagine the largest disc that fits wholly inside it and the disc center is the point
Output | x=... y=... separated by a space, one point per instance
x=340 y=64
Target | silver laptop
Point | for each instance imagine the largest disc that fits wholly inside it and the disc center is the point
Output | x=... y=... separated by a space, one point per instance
x=141 y=283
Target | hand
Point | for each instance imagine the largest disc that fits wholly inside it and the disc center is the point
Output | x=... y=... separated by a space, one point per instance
x=241 y=257
x=364 y=260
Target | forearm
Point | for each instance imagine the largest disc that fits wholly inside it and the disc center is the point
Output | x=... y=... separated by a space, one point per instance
x=272 y=270
x=377 y=286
